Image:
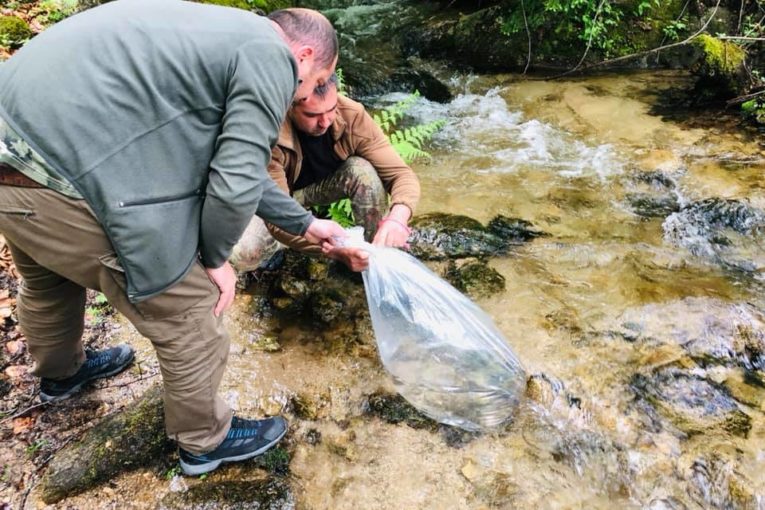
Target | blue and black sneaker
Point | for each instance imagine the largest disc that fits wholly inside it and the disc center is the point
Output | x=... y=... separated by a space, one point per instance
x=245 y=439
x=98 y=364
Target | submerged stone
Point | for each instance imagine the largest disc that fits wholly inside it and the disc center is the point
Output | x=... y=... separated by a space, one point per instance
x=714 y=481
x=475 y=278
x=130 y=440
x=712 y=332
x=273 y=494
x=691 y=403
x=651 y=205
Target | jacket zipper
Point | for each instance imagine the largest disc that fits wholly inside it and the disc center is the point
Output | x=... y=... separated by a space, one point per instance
x=161 y=200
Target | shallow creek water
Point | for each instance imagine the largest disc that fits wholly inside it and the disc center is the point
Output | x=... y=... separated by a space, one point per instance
x=562 y=155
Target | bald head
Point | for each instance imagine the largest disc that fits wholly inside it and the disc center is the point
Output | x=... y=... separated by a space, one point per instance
x=306 y=27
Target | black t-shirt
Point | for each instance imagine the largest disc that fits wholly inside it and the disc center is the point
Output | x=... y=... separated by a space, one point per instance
x=319 y=159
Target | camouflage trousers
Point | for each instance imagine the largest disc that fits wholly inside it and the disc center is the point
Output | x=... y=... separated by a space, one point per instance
x=356 y=179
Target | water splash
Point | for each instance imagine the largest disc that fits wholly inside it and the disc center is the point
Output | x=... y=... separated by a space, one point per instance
x=483 y=127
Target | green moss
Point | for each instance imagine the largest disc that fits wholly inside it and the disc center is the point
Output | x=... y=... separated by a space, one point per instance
x=754 y=110
x=276 y=461
x=722 y=57
x=13 y=32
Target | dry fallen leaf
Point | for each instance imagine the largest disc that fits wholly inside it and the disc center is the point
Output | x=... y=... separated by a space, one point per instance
x=6 y=304
x=21 y=425
x=14 y=347
x=16 y=371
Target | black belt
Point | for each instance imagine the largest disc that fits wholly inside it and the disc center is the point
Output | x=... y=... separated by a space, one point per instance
x=9 y=176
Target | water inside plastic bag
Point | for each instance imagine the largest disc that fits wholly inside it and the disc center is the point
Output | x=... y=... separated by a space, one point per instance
x=445 y=355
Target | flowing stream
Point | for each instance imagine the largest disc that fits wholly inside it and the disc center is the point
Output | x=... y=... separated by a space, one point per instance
x=640 y=323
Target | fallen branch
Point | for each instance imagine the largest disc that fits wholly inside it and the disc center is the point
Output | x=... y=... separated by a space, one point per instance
x=744 y=99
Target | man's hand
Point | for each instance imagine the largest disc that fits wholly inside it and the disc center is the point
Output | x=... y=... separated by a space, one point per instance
x=393 y=229
x=224 y=277
x=321 y=231
x=357 y=259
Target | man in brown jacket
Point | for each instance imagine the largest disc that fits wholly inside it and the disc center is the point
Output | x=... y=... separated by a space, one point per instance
x=330 y=148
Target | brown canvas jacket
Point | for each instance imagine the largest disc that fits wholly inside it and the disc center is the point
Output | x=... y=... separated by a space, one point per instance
x=355 y=134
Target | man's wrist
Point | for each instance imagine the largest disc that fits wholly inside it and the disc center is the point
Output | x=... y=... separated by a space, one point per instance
x=400 y=213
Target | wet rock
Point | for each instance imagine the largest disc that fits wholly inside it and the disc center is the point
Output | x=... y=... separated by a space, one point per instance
x=422 y=81
x=652 y=205
x=746 y=387
x=669 y=503
x=543 y=390
x=274 y=494
x=712 y=332
x=309 y=407
x=493 y=488
x=306 y=287
x=438 y=236
x=715 y=482
x=691 y=403
x=475 y=278
x=729 y=232
x=394 y=408
x=264 y=343
x=343 y=445
x=130 y=440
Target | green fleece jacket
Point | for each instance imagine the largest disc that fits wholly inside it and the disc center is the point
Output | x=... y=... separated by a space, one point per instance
x=162 y=114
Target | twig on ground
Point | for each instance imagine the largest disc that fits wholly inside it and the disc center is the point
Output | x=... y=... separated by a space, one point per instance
x=743 y=99
x=25 y=411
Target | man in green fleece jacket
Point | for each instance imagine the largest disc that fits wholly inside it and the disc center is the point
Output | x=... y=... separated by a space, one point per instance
x=134 y=140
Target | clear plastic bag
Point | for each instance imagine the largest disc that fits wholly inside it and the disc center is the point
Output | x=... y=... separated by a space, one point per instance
x=446 y=356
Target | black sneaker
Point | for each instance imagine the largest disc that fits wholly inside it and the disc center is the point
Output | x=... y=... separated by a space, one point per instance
x=97 y=364
x=245 y=439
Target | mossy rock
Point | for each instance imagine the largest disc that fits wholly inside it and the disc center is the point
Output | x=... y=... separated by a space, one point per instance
x=475 y=278
x=130 y=440
x=274 y=494
x=722 y=65
x=14 y=32
x=393 y=408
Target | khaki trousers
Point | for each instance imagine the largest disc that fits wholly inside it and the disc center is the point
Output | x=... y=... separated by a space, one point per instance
x=60 y=250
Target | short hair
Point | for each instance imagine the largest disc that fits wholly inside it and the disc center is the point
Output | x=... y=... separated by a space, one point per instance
x=309 y=27
x=321 y=90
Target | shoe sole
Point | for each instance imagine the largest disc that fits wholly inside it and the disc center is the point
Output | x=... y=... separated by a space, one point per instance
x=200 y=469
x=74 y=389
